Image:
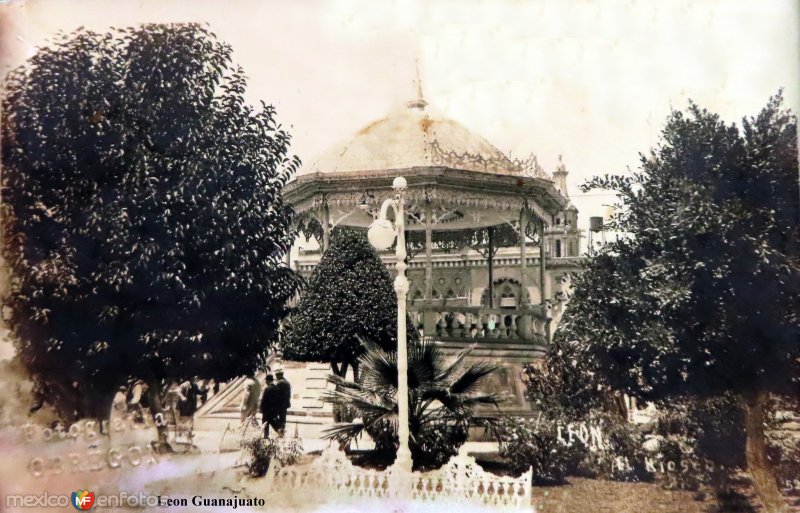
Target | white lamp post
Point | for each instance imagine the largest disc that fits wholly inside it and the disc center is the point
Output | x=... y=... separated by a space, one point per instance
x=381 y=234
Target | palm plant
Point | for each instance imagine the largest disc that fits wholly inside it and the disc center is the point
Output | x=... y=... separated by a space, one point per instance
x=442 y=399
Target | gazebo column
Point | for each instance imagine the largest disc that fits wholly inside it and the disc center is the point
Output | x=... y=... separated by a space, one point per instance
x=523 y=264
x=428 y=315
x=490 y=264
x=542 y=268
x=523 y=321
x=326 y=227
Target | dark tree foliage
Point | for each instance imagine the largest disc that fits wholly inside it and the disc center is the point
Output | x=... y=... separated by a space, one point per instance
x=349 y=296
x=143 y=220
x=703 y=297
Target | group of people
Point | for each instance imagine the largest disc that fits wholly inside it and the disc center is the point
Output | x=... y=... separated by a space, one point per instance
x=273 y=403
x=182 y=400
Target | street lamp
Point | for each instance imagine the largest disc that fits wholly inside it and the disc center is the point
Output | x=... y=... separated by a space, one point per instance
x=381 y=234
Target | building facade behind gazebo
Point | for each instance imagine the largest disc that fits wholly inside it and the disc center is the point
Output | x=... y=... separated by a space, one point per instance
x=475 y=221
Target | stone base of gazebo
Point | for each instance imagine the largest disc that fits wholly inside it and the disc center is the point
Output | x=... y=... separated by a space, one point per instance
x=309 y=416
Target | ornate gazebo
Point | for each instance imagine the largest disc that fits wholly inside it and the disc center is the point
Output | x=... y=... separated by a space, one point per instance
x=491 y=240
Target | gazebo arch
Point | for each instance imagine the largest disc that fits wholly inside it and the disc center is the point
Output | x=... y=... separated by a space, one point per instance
x=503 y=289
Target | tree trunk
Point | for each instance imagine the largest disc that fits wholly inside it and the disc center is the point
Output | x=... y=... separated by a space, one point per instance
x=756 y=451
x=339 y=412
x=339 y=371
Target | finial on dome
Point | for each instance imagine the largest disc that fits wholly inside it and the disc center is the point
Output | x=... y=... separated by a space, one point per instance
x=419 y=102
x=561 y=168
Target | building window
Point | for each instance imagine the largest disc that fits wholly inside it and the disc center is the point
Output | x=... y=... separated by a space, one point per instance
x=558 y=248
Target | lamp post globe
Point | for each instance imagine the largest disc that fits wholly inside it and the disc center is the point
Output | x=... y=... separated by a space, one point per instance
x=381 y=234
x=399 y=183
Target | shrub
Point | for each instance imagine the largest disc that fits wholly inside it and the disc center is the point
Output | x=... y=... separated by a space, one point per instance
x=438 y=444
x=713 y=427
x=535 y=442
x=262 y=451
x=702 y=442
x=622 y=457
x=613 y=450
x=431 y=447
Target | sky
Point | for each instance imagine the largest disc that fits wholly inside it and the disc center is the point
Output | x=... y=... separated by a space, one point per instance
x=590 y=80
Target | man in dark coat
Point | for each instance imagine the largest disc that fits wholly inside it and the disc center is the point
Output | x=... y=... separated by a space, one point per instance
x=271 y=406
x=286 y=397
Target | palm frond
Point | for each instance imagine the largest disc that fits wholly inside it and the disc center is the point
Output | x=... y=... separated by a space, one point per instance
x=472 y=378
x=435 y=394
x=432 y=415
x=425 y=358
x=472 y=401
x=462 y=405
x=445 y=373
x=341 y=382
x=366 y=404
x=344 y=432
x=379 y=369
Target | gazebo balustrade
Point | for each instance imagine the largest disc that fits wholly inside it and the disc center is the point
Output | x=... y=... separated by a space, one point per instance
x=529 y=324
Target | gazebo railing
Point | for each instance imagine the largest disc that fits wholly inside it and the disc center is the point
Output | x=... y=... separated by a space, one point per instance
x=464 y=323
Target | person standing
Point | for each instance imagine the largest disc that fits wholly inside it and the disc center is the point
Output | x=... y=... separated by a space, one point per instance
x=252 y=392
x=285 y=389
x=139 y=404
x=119 y=407
x=172 y=401
x=204 y=388
x=271 y=406
x=191 y=392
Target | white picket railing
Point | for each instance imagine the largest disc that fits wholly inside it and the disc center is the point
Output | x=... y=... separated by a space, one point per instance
x=332 y=477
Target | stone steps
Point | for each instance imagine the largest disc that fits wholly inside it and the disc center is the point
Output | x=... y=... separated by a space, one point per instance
x=307 y=414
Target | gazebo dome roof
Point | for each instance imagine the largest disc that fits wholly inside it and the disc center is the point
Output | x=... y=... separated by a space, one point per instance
x=410 y=137
x=463 y=179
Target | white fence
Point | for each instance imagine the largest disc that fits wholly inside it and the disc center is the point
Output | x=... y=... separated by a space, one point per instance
x=332 y=478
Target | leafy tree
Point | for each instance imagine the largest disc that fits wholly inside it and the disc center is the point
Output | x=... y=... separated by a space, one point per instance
x=143 y=221
x=559 y=386
x=703 y=297
x=349 y=297
x=442 y=397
